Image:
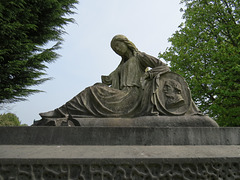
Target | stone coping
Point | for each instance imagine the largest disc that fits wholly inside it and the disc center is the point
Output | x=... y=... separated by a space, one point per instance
x=11 y=152
x=118 y=136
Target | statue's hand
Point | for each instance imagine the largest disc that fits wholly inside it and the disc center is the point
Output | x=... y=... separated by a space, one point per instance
x=145 y=78
x=148 y=75
x=106 y=80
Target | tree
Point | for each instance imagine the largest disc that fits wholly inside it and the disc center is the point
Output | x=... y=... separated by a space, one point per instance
x=26 y=26
x=9 y=119
x=206 y=51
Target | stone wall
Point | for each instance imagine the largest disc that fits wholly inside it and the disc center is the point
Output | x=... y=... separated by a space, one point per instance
x=119 y=136
x=104 y=153
x=215 y=170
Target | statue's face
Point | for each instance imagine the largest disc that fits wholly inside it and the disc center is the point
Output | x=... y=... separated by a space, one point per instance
x=120 y=48
x=168 y=89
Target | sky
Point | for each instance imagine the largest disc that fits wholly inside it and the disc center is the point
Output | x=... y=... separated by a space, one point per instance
x=86 y=53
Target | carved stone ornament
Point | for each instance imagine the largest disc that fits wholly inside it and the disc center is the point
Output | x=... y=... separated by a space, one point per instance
x=173 y=94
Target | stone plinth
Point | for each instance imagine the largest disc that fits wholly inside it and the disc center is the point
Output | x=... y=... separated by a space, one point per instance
x=144 y=121
x=118 y=136
x=148 y=121
x=119 y=153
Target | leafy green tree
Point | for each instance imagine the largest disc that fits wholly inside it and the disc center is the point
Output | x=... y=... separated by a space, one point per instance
x=26 y=26
x=9 y=119
x=206 y=51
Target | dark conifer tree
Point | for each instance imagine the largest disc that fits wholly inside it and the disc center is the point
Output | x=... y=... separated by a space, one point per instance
x=26 y=26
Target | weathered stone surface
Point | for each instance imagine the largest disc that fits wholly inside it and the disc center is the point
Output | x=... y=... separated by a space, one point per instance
x=148 y=121
x=119 y=153
x=60 y=152
x=118 y=136
x=120 y=162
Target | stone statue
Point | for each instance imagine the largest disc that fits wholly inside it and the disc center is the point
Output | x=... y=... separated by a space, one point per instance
x=130 y=91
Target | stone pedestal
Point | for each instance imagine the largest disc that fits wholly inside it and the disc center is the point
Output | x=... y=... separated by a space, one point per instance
x=119 y=153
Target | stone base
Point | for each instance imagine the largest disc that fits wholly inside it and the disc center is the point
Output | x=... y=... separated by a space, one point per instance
x=90 y=153
x=118 y=136
x=148 y=121
x=119 y=162
x=143 y=121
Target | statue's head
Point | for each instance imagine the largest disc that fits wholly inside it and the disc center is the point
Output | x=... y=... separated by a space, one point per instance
x=120 y=44
x=171 y=86
x=172 y=90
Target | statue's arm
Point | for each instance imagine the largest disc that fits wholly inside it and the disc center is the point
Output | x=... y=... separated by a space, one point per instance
x=112 y=79
x=158 y=67
x=149 y=61
x=108 y=80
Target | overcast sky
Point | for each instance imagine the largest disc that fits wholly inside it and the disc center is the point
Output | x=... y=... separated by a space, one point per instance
x=86 y=53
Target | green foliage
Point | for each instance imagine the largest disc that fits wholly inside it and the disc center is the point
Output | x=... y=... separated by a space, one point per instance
x=9 y=119
x=206 y=51
x=26 y=26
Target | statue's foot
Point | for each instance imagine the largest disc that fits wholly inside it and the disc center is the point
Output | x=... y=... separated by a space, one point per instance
x=51 y=114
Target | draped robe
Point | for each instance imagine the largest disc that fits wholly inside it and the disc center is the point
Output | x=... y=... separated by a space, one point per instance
x=121 y=94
